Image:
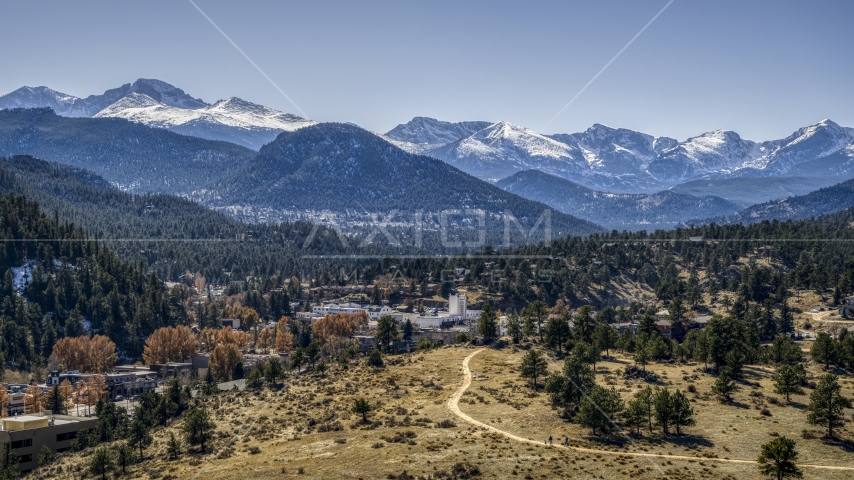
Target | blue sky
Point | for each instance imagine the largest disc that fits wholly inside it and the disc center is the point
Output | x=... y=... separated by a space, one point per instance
x=761 y=68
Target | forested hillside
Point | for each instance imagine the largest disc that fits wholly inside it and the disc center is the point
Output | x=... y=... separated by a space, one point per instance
x=135 y=157
x=621 y=211
x=820 y=202
x=764 y=258
x=71 y=284
x=340 y=168
x=173 y=235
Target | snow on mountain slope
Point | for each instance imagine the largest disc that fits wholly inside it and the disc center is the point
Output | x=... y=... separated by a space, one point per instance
x=156 y=89
x=423 y=133
x=502 y=149
x=38 y=97
x=158 y=104
x=623 y=160
x=233 y=119
x=720 y=151
x=71 y=106
x=617 y=151
x=808 y=143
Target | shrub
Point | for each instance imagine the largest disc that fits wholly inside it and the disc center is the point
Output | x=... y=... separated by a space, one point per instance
x=375 y=359
x=446 y=424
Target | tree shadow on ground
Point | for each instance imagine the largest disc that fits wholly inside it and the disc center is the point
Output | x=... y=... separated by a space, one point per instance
x=683 y=440
x=843 y=443
x=735 y=403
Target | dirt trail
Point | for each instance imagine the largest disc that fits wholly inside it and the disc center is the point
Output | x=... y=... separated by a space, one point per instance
x=454 y=406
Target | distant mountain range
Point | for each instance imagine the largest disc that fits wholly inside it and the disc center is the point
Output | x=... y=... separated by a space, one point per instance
x=620 y=211
x=263 y=165
x=621 y=160
x=820 y=202
x=159 y=104
x=348 y=171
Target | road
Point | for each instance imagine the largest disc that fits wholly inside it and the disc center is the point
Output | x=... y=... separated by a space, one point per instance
x=454 y=406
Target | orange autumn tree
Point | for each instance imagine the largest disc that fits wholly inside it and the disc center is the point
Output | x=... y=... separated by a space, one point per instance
x=224 y=358
x=34 y=399
x=70 y=352
x=66 y=389
x=96 y=386
x=265 y=340
x=96 y=354
x=250 y=318
x=336 y=326
x=234 y=337
x=170 y=344
x=207 y=338
x=4 y=400
x=284 y=337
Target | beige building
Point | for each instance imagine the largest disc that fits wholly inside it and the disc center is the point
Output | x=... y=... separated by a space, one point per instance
x=28 y=433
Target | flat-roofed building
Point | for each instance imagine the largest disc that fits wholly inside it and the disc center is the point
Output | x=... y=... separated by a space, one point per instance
x=27 y=434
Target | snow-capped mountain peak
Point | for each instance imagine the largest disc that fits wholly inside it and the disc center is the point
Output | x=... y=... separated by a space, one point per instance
x=159 y=104
x=423 y=133
x=159 y=90
x=624 y=160
x=233 y=119
x=39 y=97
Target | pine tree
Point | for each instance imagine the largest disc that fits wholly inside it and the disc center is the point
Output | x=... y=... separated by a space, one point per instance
x=663 y=409
x=575 y=379
x=599 y=409
x=557 y=332
x=635 y=415
x=55 y=401
x=8 y=462
x=125 y=456
x=605 y=338
x=642 y=356
x=362 y=407
x=534 y=366
x=273 y=370
x=198 y=427
x=535 y=315
x=407 y=330
x=788 y=381
x=724 y=387
x=681 y=413
x=139 y=434
x=787 y=320
x=102 y=462
x=647 y=324
x=487 y=325
x=827 y=404
x=514 y=327
x=778 y=459
x=646 y=399
x=173 y=447
x=824 y=349
x=386 y=332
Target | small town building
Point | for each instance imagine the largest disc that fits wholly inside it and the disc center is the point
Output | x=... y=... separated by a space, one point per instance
x=27 y=434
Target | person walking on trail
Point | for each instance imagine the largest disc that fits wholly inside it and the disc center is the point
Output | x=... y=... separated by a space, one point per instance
x=550 y=439
x=566 y=442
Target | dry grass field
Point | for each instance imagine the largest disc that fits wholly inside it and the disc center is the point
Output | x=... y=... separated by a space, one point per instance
x=306 y=430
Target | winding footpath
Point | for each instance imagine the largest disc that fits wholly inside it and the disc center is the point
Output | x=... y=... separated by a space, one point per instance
x=454 y=406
